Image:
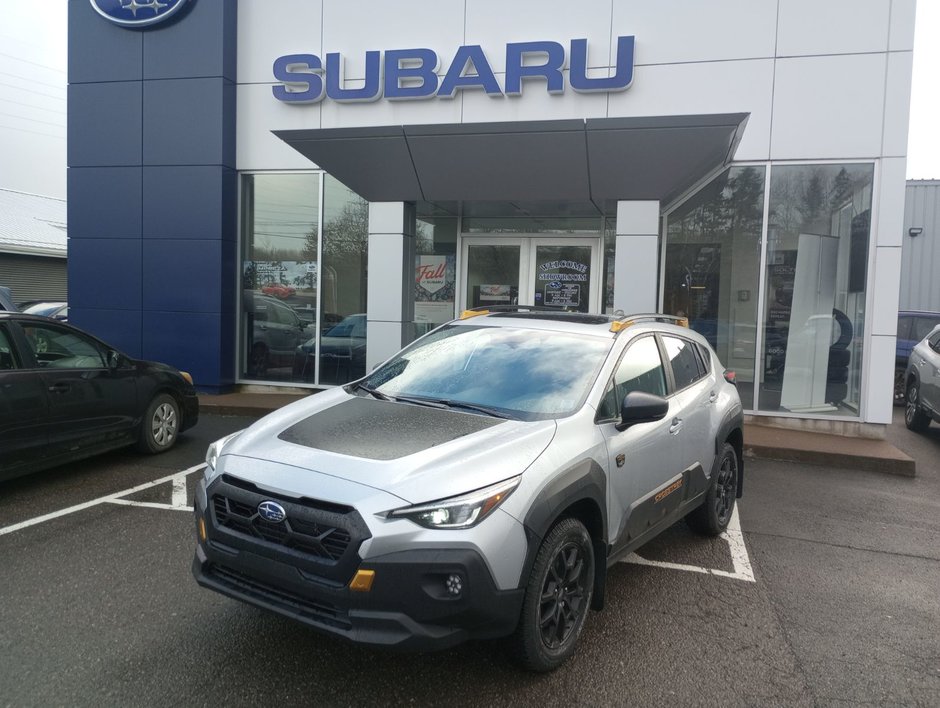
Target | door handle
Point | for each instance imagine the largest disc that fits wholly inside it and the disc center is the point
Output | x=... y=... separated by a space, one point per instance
x=712 y=397
x=676 y=426
x=60 y=388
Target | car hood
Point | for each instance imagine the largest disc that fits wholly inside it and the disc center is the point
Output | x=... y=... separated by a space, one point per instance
x=414 y=452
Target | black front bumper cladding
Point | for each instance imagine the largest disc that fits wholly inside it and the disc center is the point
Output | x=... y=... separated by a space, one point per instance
x=408 y=607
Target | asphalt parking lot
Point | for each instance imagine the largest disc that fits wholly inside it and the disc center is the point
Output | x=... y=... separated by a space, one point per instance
x=827 y=595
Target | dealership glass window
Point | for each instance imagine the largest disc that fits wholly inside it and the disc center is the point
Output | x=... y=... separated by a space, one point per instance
x=435 y=271
x=712 y=267
x=343 y=285
x=815 y=288
x=280 y=221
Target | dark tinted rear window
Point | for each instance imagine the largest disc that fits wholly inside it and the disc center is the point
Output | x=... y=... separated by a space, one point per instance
x=686 y=364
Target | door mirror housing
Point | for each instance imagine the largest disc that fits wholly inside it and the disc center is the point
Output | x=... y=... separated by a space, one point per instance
x=114 y=360
x=641 y=407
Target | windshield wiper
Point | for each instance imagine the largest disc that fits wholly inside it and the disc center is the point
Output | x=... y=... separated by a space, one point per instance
x=448 y=403
x=373 y=392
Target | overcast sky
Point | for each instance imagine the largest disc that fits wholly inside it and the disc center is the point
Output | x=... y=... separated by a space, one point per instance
x=33 y=59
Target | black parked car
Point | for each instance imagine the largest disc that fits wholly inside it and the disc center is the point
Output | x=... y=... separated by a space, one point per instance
x=65 y=395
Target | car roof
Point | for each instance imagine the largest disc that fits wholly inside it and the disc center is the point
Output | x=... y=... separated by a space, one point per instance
x=609 y=326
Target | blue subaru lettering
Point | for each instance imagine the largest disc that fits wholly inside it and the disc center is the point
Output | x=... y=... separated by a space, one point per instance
x=334 y=79
x=403 y=67
x=516 y=70
x=622 y=78
x=469 y=58
x=297 y=70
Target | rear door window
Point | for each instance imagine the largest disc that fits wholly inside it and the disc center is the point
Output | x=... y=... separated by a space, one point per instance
x=923 y=326
x=687 y=367
x=7 y=356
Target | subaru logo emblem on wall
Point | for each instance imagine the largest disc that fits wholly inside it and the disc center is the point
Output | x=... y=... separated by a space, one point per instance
x=137 y=13
x=271 y=511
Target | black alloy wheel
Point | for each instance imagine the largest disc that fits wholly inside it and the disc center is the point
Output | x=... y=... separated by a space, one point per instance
x=558 y=597
x=714 y=515
x=914 y=418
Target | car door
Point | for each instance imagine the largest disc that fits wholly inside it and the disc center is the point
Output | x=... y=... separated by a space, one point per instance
x=645 y=460
x=695 y=394
x=90 y=404
x=24 y=424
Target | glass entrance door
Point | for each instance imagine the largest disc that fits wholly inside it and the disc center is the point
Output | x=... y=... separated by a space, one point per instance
x=531 y=270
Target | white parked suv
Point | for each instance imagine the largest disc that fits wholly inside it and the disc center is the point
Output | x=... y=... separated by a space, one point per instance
x=923 y=383
x=477 y=484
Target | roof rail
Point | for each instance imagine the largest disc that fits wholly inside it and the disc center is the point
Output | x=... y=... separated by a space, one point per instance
x=487 y=309
x=628 y=320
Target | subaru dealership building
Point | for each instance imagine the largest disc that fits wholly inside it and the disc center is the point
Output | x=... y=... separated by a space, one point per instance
x=285 y=192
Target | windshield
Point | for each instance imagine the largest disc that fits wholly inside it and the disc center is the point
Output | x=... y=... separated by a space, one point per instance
x=523 y=373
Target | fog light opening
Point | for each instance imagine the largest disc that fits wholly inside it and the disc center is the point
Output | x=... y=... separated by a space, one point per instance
x=202 y=529
x=454 y=585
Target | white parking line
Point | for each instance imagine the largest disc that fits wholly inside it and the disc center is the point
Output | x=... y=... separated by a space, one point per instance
x=739 y=558
x=106 y=499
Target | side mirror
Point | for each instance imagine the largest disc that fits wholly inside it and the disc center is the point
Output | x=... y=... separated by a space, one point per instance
x=641 y=407
x=114 y=360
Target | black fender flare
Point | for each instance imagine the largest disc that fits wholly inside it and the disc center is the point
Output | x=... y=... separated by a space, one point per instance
x=732 y=423
x=584 y=486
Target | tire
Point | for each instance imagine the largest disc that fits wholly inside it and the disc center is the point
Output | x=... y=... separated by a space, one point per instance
x=713 y=516
x=160 y=425
x=900 y=395
x=914 y=417
x=557 y=597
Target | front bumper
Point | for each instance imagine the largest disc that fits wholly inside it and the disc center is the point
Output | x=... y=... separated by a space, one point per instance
x=409 y=605
x=190 y=411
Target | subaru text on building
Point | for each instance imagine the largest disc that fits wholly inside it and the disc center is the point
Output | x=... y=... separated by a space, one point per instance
x=477 y=484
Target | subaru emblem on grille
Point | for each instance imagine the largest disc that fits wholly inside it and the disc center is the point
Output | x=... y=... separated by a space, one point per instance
x=271 y=511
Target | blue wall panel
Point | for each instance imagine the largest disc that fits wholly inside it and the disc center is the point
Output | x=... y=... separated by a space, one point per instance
x=183 y=122
x=105 y=274
x=103 y=52
x=195 y=342
x=186 y=202
x=198 y=45
x=182 y=276
x=104 y=124
x=104 y=202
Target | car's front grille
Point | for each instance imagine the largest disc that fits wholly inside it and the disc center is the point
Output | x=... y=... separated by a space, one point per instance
x=321 y=612
x=314 y=538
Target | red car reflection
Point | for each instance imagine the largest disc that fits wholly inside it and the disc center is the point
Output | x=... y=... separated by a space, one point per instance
x=278 y=290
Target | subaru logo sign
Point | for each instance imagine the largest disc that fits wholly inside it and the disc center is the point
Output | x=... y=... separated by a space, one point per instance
x=137 y=13
x=271 y=511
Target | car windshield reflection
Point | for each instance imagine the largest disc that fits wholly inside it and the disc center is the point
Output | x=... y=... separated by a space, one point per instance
x=527 y=374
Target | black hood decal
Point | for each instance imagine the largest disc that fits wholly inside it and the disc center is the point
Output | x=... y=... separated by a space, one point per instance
x=383 y=430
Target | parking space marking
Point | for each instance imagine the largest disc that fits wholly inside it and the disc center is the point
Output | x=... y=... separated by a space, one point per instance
x=739 y=557
x=179 y=494
x=149 y=505
x=106 y=499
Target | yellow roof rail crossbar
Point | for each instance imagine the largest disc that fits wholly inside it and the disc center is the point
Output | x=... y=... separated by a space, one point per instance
x=628 y=320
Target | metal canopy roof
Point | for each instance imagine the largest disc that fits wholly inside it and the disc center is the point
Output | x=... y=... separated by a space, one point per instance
x=573 y=160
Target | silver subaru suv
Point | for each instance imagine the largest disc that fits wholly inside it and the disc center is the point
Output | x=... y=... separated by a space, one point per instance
x=922 y=380
x=478 y=484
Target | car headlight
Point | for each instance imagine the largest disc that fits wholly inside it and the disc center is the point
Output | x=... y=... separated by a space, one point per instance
x=212 y=454
x=458 y=512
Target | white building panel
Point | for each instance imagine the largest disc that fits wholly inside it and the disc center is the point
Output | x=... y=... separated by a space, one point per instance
x=879 y=391
x=716 y=87
x=902 y=25
x=382 y=112
x=898 y=102
x=353 y=28
x=828 y=107
x=267 y=30
x=494 y=23
x=535 y=103
x=670 y=31
x=886 y=283
x=809 y=27
x=889 y=229
x=258 y=113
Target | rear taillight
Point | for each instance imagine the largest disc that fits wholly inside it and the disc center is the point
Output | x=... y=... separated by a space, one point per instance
x=731 y=377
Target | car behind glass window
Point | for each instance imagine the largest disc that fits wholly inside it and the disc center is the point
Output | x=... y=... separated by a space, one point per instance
x=923 y=326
